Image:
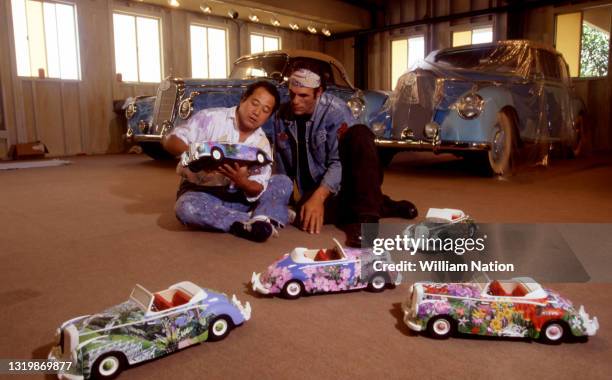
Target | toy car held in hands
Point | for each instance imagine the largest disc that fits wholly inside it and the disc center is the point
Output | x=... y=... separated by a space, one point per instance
x=146 y=326
x=211 y=154
x=519 y=307
x=324 y=270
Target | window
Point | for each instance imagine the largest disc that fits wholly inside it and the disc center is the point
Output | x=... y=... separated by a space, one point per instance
x=479 y=35
x=46 y=39
x=405 y=53
x=584 y=40
x=208 y=52
x=137 y=48
x=261 y=43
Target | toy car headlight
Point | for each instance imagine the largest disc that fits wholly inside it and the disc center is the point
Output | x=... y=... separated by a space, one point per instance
x=357 y=106
x=130 y=111
x=185 y=109
x=470 y=106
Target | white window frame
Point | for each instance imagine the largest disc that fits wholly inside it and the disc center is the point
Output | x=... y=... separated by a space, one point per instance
x=77 y=45
x=160 y=38
x=263 y=35
x=470 y=28
x=405 y=38
x=227 y=57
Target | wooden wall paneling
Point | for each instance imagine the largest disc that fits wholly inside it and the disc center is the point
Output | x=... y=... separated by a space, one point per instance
x=71 y=117
x=48 y=115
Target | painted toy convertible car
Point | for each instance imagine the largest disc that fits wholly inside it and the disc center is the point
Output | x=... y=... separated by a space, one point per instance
x=152 y=117
x=325 y=270
x=442 y=224
x=519 y=307
x=486 y=101
x=145 y=327
x=210 y=154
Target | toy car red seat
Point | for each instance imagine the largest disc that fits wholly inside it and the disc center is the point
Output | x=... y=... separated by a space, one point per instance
x=160 y=302
x=322 y=255
x=520 y=291
x=180 y=298
x=496 y=289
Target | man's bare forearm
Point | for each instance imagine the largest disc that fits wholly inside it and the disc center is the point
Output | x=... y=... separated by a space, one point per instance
x=174 y=145
x=250 y=188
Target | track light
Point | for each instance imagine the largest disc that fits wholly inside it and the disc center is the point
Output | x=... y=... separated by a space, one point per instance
x=274 y=21
x=326 y=32
x=294 y=26
x=253 y=17
x=232 y=14
x=312 y=29
x=205 y=8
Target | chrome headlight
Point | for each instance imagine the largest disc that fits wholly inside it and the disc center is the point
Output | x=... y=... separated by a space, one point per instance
x=130 y=111
x=378 y=128
x=185 y=109
x=357 y=106
x=470 y=106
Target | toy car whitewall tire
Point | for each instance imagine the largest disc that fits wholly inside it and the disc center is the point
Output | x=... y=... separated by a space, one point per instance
x=219 y=328
x=553 y=332
x=108 y=366
x=293 y=289
x=216 y=154
x=377 y=283
x=503 y=145
x=441 y=327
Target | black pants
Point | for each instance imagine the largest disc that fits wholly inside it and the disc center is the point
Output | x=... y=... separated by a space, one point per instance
x=360 y=197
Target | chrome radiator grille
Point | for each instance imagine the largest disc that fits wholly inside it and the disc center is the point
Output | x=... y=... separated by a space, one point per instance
x=414 y=105
x=164 y=105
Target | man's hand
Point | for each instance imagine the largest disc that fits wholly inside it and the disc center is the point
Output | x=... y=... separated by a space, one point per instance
x=240 y=176
x=313 y=211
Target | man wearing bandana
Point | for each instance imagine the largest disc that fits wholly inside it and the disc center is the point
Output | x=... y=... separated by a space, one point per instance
x=332 y=161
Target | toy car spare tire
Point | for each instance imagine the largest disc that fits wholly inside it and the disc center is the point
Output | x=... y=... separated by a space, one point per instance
x=108 y=366
x=503 y=145
x=261 y=158
x=441 y=327
x=378 y=282
x=216 y=154
x=553 y=332
x=219 y=328
x=293 y=289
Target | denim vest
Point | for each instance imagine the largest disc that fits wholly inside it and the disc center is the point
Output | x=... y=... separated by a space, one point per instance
x=321 y=141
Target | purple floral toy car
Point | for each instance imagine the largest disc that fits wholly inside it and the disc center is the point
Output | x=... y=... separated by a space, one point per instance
x=325 y=270
x=211 y=154
x=146 y=326
x=519 y=307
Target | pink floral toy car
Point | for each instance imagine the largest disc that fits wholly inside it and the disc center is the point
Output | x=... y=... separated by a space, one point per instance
x=519 y=307
x=146 y=326
x=324 y=270
x=210 y=154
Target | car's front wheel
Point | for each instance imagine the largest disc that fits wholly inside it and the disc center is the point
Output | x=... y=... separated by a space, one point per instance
x=293 y=289
x=219 y=328
x=503 y=145
x=216 y=154
x=378 y=282
x=108 y=366
x=553 y=332
x=261 y=158
x=441 y=327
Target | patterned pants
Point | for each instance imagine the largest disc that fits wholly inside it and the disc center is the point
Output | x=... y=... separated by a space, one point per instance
x=205 y=211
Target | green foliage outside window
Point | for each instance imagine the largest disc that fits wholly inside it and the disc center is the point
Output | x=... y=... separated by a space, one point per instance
x=595 y=51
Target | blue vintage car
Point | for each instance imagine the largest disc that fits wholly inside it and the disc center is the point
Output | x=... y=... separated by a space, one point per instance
x=151 y=117
x=309 y=271
x=147 y=326
x=497 y=103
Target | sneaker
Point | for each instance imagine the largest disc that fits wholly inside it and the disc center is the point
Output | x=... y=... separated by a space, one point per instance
x=258 y=229
x=398 y=209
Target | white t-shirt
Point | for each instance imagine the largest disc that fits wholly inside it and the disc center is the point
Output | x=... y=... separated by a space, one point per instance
x=219 y=124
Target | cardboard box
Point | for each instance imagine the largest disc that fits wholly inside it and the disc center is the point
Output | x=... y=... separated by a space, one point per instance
x=29 y=150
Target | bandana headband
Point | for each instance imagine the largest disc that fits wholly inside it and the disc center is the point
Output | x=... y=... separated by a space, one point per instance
x=305 y=78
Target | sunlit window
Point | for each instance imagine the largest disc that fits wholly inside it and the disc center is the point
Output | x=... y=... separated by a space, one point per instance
x=208 y=52
x=478 y=35
x=137 y=48
x=46 y=39
x=584 y=40
x=261 y=43
x=405 y=53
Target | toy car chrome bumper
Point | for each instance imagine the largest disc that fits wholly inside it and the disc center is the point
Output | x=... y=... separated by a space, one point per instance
x=56 y=355
x=591 y=324
x=244 y=310
x=436 y=146
x=408 y=318
x=257 y=285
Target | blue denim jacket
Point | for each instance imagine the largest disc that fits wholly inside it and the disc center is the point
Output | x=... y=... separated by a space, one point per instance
x=321 y=139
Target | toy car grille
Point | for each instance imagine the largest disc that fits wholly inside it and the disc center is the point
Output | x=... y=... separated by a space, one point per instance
x=164 y=105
